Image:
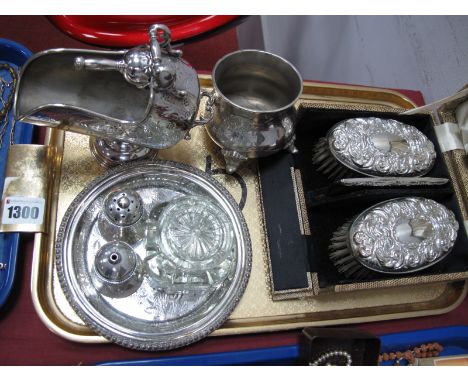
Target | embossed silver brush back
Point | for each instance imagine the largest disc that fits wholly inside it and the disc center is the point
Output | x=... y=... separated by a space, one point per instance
x=398 y=236
x=374 y=147
x=153 y=255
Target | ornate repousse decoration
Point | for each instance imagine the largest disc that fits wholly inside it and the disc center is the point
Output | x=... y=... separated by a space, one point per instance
x=403 y=235
x=375 y=146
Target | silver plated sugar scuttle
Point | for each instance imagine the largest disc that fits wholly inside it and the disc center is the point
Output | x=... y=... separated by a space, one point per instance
x=132 y=102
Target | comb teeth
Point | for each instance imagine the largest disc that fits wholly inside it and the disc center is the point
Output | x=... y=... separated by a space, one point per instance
x=341 y=256
x=326 y=163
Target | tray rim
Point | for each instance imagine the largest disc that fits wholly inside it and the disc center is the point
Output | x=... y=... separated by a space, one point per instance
x=54 y=319
x=214 y=318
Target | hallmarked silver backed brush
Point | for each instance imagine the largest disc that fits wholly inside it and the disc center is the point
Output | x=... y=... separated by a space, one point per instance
x=373 y=147
x=398 y=236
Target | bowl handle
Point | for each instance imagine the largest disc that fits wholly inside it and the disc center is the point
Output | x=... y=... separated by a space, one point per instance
x=208 y=107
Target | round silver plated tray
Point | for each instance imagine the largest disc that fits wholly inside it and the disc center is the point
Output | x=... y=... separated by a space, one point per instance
x=153 y=255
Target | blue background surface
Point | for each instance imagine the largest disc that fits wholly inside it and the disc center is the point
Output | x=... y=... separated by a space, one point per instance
x=15 y=55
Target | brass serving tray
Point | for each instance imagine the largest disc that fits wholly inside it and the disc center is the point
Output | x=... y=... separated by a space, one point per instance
x=73 y=167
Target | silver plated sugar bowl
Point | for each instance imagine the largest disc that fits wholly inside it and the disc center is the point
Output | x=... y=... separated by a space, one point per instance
x=253 y=106
x=132 y=102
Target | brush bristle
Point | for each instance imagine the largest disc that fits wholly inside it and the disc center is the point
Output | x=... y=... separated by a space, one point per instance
x=341 y=256
x=326 y=163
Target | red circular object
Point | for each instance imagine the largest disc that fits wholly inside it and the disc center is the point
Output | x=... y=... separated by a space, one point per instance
x=124 y=31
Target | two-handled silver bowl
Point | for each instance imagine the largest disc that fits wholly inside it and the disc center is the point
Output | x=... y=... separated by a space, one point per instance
x=253 y=110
